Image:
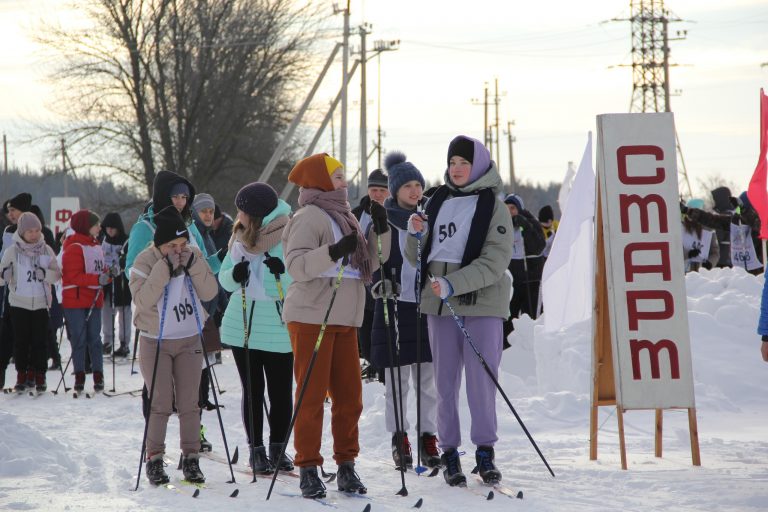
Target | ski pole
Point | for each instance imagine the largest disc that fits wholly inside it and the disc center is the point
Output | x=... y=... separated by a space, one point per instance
x=112 y=305
x=216 y=379
x=309 y=369
x=151 y=391
x=248 y=380
x=419 y=442
x=135 y=345
x=193 y=296
x=396 y=385
x=82 y=332
x=468 y=339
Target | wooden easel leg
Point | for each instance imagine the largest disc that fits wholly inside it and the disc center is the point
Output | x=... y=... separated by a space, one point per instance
x=593 y=432
x=659 y=424
x=622 y=445
x=694 y=431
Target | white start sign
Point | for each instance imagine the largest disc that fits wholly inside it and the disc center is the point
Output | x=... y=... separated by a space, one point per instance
x=637 y=172
x=62 y=209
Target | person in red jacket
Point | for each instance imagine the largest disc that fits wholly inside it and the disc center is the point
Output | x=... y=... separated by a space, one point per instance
x=83 y=275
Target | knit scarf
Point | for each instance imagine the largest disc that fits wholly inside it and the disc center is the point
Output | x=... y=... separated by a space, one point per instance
x=268 y=236
x=335 y=204
x=33 y=250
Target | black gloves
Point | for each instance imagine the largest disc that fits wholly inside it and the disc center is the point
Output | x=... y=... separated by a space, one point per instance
x=240 y=272
x=347 y=245
x=683 y=208
x=706 y=264
x=694 y=252
x=736 y=219
x=275 y=265
x=379 y=218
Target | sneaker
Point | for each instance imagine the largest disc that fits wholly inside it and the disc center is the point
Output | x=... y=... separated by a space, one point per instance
x=122 y=351
x=190 y=466
x=348 y=479
x=156 y=470
x=452 y=472
x=285 y=463
x=218 y=357
x=310 y=484
x=79 y=381
x=98 y=381
x=259 y=461
x=205 y=445
x=406 y=450
x=430 y=455
x=484 y=457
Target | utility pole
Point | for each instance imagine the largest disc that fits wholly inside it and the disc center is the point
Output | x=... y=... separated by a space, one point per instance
x=497 y=102
x=364 y=31
x=650 y=62
x=484 y=103
x=64 y=167
x=344 y=84
x=510 y=140
x=380 y=46
x=5 y=164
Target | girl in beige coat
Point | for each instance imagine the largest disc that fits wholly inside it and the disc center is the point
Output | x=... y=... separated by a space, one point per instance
x=168 y=313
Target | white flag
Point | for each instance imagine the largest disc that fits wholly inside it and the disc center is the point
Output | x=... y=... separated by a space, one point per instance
x=565 y=188
x=567 y=280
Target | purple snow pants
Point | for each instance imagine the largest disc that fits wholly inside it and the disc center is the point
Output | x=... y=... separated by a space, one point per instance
x=450 y=353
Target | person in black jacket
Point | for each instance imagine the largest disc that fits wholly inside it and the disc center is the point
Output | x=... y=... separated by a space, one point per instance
x=378 y=191
x=527 y=262
x=117 y=296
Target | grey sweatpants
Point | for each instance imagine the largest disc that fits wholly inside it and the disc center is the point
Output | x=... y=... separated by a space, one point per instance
x=178 y=371
x=121 y=326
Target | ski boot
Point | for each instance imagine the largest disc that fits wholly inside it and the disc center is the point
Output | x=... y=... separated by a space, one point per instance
x=348 y=480
x=40 y=385
x=123 y=351
x=79 y=382
x=452 y=472
x=406 y=449
x=156 y=470
x=484 y=457
x=259 y=461
x=98 y=382
x=205 y=445
x=31 y=376
x=430 y=455
x=21 y=382
x=310 y=484
x=190 y=466
x=284 y=464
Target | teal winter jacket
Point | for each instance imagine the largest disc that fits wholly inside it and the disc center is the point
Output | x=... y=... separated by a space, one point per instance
x=267 y=331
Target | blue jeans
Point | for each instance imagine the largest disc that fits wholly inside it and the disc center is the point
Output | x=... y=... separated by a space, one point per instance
x=85 y=336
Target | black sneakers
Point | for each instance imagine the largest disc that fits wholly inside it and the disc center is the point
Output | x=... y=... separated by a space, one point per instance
x=156 y=470
x=190 y=466
x=310 y=484
x=452 y=472
x=484 y=457
x=259 y=461
x=406 y=450
x=285 y=464
x=348 y=479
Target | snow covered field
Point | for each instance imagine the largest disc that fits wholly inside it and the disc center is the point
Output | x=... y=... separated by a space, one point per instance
x=57 y=453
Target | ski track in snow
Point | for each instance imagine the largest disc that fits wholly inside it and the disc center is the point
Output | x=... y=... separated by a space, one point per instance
x=57 y=453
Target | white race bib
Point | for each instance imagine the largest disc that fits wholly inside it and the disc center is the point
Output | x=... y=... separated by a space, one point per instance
x=407 y=272
x=27 y=284
x=254 y=287
x=703 y=243
x=7 y=241
x=93 y=257
x=111 y=253
x=518 y=244
x=349 y=272
x=180 y=313
x=452 y=226
x=742 y=249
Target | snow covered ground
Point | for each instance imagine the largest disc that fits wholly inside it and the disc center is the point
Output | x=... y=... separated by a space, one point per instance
x=57 y=453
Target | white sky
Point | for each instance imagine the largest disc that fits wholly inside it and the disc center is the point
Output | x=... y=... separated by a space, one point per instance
x=553 y=61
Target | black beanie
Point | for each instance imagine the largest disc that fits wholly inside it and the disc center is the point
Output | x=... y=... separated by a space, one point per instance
x=546 y=214
x=378 y=179
x=170 y=226
x=463 y=147
x=256 y=199
x=22 y=202
x=216 y=212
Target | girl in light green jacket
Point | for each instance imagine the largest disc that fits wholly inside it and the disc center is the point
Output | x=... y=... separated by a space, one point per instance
x=255 y=274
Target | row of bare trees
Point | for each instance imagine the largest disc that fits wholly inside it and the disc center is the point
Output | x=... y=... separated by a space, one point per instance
x=199 y=87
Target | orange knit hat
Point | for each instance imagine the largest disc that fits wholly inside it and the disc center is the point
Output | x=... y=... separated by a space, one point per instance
x=315 y=172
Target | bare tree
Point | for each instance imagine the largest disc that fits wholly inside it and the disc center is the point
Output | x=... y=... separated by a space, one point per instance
x=198 y=87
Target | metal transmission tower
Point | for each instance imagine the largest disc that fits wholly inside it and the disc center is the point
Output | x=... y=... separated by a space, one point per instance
x=650 y=62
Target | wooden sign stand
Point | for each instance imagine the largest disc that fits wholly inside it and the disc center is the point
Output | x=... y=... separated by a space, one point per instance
x=603 y=381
